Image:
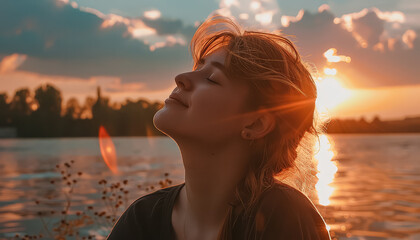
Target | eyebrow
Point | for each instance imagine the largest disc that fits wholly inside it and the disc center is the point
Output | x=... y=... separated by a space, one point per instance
x=217 y=65
x=220 y=66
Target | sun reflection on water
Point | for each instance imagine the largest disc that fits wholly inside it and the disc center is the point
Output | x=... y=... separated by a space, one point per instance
x=326 y=169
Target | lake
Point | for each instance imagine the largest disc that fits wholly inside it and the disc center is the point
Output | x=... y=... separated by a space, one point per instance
x=369 y=185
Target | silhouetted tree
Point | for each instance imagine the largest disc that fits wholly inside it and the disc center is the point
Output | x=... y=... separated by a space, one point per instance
x=20 y=105
x=86 y=110
x=104 y=115
x=46 y=120
x=5 y=118
x=20 y=110
x=72 y=109
x=132 y=116
x=49 y=100
x=376 y=120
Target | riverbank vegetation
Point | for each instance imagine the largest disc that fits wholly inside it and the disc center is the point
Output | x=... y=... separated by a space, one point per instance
x=42 y=113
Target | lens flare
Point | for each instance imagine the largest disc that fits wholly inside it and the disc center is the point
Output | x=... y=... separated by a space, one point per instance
x=108 y=152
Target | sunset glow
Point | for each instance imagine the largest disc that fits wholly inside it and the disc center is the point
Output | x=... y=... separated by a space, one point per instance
x=330 y=94
x=107 y=148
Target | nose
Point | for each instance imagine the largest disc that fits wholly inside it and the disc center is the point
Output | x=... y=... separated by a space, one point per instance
x=183 y=81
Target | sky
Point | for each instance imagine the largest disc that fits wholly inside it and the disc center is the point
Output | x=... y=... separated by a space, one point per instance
x=365 y=53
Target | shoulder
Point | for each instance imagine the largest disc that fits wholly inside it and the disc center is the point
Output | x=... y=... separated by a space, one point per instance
x=287 y=212
x=282 y=195
x=148 y=205
x=144 y=213
x=151 y=201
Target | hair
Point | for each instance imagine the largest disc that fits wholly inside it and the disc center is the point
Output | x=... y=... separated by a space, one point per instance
x=281 y=85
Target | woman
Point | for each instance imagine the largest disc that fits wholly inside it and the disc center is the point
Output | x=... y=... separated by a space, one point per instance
x=241 y=118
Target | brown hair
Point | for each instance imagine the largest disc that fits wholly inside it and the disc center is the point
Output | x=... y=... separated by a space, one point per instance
x=281 y=85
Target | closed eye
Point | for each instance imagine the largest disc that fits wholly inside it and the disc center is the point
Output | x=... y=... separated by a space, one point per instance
x=211 y=81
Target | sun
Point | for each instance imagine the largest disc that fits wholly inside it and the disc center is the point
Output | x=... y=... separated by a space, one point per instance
x=331 y=93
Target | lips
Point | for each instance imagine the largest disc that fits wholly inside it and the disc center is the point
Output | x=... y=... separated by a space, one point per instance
x=178 y=98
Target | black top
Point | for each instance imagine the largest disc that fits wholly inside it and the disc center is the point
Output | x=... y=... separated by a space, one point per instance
x=282 y=213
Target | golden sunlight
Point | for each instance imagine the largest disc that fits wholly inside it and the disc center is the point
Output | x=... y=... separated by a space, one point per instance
x=326 y=170
x=330 y=93
x=107 y=148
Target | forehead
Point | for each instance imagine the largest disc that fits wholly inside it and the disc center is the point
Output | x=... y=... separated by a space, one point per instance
x=236 y=88
x=216 y=56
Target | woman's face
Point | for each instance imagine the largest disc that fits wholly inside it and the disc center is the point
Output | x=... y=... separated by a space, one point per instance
x=211 y=104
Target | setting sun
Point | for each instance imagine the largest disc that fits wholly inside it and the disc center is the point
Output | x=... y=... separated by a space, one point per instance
x=330 y=94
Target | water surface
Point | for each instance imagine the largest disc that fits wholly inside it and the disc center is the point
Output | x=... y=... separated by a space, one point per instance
x=374 y=193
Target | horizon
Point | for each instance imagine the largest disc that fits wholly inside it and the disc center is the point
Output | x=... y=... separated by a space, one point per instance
x=117 y=105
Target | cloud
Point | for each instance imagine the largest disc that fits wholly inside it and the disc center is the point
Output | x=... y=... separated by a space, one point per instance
x=152 y=14
x=380 y=55
x=170 y=26
x=61 y=39
x=11 y=62
x=409 y=37
x=383 y=47
x=251 y=13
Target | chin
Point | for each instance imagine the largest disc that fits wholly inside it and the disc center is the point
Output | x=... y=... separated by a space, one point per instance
x=157 y=120
x=164 y=122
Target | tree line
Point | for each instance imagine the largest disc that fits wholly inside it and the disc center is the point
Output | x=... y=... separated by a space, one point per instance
x=42 y=114
x=406 y=125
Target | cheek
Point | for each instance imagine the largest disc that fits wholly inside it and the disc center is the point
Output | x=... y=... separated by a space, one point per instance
x=215 y=109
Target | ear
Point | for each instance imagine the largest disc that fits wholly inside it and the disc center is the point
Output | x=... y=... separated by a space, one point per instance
x=259 y=126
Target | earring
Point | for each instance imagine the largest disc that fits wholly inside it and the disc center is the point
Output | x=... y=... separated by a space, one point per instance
x=245 y=134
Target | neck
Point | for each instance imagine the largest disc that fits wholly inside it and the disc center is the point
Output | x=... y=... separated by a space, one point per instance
x=211 y=176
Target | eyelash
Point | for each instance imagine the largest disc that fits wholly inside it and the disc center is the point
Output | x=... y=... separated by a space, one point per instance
x=201 y=62
x=211 y=81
